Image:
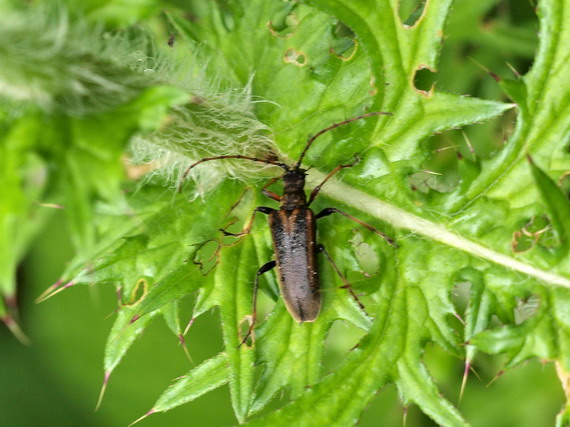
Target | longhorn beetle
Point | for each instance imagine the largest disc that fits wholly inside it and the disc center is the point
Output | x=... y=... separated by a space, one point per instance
x=294 y=234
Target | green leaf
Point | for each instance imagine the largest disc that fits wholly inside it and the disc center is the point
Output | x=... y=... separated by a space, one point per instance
x=474 y=218
x=205 y=377
x=179 y=282
x=480 y=306
x=417 y=386
x=122 y=336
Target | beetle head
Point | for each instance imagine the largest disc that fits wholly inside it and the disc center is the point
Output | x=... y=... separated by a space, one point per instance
x=294 y=178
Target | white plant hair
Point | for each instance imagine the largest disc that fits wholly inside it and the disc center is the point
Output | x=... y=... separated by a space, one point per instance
x=214 y=123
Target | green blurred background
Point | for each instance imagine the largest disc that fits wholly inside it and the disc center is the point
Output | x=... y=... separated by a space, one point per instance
x=56 y=380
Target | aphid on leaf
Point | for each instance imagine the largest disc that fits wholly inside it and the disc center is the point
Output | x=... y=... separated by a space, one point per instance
x=293 y=229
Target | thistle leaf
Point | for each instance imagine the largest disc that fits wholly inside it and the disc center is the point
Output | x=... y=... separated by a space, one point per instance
x=499 y=230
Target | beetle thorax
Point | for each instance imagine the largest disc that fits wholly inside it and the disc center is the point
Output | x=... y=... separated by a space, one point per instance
x=293 y=189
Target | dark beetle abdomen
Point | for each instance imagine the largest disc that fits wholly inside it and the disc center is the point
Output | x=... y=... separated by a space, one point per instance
x=294 y=238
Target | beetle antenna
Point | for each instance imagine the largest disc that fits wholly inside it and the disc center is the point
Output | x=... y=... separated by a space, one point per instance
x=335 y=125
x=235 y=156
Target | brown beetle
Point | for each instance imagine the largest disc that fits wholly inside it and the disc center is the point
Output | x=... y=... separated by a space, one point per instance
x=293 y=228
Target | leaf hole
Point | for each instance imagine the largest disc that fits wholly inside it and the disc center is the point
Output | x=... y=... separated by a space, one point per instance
x=141 y=289
x=345 y=44
x=440 y=171
x=285 y=27
x=295 y=57
x=424 y=80
x=244 y=328
x=427 y=180
x=526 y=308
x=341 y=30
x=365 y=254
x=537 y=230
x=521 y=242
x=139 y=292
x=410 y=11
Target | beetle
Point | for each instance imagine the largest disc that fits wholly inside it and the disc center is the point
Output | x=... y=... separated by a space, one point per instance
x=293 y=231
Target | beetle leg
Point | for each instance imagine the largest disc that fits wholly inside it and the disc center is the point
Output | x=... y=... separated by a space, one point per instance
x=329 y=176
x=247 y=228
x=270 y=193
x=264 y=269
x=347 y=285
x=330 y=211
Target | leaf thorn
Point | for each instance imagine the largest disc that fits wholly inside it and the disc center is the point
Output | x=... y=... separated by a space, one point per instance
x=102 y=392
x=53 y=290
x=499 y=374
x=464 y=381
x=44 y=295
x=458 y=317
x=185 y=347
x=492 y=74
x=51 y=205
x=515 y=72
x=13 y=326
x=152 y=411
x=469 y=145
x=190 y=323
